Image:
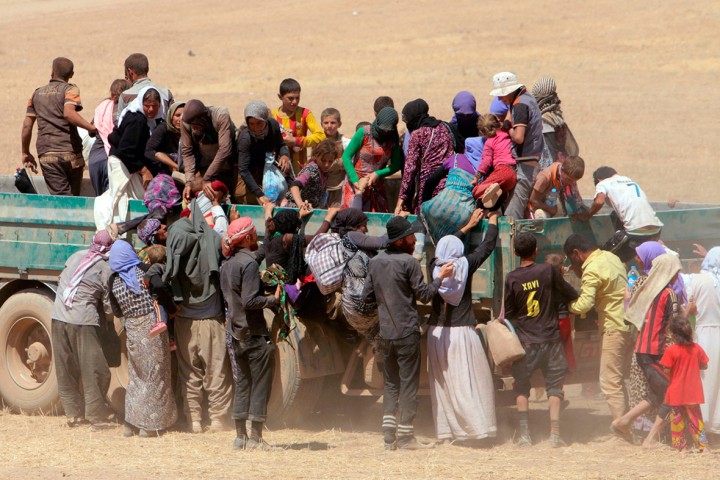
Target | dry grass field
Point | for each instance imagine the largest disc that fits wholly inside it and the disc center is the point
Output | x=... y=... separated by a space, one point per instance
x=637 y=80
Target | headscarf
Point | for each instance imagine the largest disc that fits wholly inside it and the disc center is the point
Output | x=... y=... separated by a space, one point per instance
x=415 y=115
x=473 y=150
x=384 y=127
x=287 y=221
x=498 y=108
x=347 y=220
x=161 y=194
x=450 y=250
x=171 y=113
x=545 y=94
x=123 y=260
x=649 y=251
x=101 y=243
x=259 y=110
x=711 y=265
x=136 y=105
x=146 y=232
x=664 y=268
x=236 y=233
x=196 y=113
x=464 y=104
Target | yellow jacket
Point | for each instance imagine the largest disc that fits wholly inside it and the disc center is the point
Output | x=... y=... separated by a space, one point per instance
x=306 y=130
x=604 y=281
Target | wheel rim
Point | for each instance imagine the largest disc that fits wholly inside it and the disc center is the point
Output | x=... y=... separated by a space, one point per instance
x=28 y=353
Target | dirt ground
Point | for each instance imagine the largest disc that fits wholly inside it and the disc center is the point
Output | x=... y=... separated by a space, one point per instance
x=636 y=78
x=632 y=76
x=335 y=445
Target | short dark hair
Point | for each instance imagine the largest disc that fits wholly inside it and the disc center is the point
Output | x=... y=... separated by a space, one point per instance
x=602 y=173
x=138 y=62
x=682 y=330
x=382 y=102
x=578 y=242
x=525 y=244
x=289 y=85
x=361 y=125
x=63 y=67
x=330 y=112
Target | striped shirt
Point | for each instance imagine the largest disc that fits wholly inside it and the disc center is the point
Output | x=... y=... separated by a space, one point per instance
x=651 y=339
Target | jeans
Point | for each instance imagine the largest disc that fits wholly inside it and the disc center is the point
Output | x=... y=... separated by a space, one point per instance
x=255 y=359
x=518 y=203
x=402 y=379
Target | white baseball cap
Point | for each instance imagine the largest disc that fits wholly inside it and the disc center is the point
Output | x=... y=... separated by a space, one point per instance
x=504 y=83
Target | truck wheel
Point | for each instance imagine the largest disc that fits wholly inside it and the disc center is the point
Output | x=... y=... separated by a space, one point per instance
x=292 y=398
x=27 y=374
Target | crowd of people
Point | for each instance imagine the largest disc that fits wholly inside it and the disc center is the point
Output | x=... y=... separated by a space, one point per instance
x=197 y=287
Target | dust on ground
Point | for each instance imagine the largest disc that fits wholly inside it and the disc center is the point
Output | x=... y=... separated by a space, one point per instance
x=336 y=445
x=637 y=80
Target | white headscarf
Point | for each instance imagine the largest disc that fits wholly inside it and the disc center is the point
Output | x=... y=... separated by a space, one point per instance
x=137 y=106
x=450 y=250
x=711 y=265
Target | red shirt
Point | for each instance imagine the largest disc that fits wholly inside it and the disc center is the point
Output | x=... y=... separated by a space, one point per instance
x=651 y=339
x=685 y=363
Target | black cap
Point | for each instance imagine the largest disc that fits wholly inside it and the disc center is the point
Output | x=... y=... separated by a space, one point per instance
x=398 y=228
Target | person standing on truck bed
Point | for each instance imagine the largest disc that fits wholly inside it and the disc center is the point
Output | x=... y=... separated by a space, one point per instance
x=59 y=147
x=78 y=314
x=253 y=349
x=524 y=124
x=532 y=294
x=137 y=67
x=395 y=281
x=604 y=282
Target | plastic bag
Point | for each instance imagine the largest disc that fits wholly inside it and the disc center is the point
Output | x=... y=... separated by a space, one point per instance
x=274 y=184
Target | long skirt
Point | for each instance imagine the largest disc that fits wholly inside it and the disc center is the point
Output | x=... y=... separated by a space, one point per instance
x=112 y=205
x=149 y=401
x=461 y=385
x=708 y=337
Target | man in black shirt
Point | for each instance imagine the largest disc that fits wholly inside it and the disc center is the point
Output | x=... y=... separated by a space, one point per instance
x=254 y=351
x=532 y=294
x=395 y=281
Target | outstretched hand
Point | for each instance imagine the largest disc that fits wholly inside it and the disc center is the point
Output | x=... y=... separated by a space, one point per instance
x=699 y=250
x=446 y=270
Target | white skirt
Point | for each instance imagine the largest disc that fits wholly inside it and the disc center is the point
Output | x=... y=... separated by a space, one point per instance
x=708 y=337
x=461 y=384
x=112 y=206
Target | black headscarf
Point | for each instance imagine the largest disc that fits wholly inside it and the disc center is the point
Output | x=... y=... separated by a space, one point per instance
x=415 y=115
x=384 y=127
x=287 y=221
x=347 y=220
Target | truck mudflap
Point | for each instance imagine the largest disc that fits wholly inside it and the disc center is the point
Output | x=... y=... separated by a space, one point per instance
x=318 y=350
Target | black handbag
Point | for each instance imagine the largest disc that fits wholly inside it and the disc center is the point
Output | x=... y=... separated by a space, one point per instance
x=23 y=182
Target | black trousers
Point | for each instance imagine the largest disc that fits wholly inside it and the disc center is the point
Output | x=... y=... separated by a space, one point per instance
x=657 y=380
x=402 y=379
x=82 y=372
x=255 y=359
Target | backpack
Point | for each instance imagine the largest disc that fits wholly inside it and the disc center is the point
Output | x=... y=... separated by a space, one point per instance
x=327 y=257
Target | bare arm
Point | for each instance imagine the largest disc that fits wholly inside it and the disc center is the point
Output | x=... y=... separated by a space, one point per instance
x=597 y=204
x=74 y=118
x=27 y=158
x=517 y=134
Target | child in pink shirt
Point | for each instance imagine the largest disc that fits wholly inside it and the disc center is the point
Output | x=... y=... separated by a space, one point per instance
x=497 y=168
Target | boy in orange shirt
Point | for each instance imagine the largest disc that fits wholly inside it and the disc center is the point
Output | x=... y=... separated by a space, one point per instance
x=299 y=127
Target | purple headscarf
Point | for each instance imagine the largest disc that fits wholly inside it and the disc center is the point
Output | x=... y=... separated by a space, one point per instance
x=473 y=150
x=123 y=260
x=649 y=251
x=161 y=194
x=464 y=104
x=497 y=107
x=146 y=230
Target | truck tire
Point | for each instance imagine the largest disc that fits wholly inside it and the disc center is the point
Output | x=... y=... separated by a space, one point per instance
x=27 y=373
x=292 y=398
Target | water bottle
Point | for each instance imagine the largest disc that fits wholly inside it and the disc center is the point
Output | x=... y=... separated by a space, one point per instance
x=632 y=276
x=551 y=198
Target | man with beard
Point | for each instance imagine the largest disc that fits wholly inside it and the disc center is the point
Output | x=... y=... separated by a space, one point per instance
x=395 y=281
x=207 y=136
x=253 y=349
x=261 y=138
